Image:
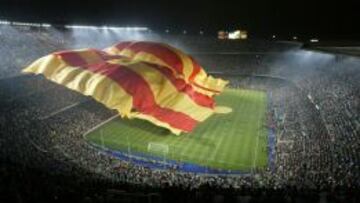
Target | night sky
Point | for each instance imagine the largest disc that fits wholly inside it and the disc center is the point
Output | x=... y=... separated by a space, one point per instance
x=325 y=19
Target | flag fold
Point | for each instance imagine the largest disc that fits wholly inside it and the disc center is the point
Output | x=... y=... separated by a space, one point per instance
x=144 y=80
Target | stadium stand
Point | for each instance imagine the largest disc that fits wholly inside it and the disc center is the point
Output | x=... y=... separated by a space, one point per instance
x=314 y=109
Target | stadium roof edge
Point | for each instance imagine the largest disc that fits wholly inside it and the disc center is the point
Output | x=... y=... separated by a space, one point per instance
x=74 y=26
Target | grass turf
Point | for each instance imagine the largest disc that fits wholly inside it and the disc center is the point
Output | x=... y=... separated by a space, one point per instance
x=235 y=141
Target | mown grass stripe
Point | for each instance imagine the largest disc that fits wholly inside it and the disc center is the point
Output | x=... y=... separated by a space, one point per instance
x=233 y=134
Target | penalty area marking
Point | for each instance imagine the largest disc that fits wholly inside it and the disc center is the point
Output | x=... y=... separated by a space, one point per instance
x=60 y=110
x=100 y=124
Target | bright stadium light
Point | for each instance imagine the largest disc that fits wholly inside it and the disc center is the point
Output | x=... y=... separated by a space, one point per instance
x=4 y=22
x=45 y=25
x=79 y=27
x=314 y=40
x=273 y=36
x=235 y=35
x=26 y=24
x=110 y=27
x=132 y=28
x=106 y=28
x=295 y=38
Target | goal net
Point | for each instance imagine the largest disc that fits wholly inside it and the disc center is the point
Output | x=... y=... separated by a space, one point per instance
x=155 y=147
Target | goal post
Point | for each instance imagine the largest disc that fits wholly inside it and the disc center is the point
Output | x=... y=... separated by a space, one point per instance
x=156 y=147
x=159 y=148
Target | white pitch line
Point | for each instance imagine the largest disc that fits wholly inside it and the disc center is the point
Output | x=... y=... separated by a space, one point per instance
x=257 y=143
x=216 y=153
x=59 y=111
x=100 y=124
x=255 y=156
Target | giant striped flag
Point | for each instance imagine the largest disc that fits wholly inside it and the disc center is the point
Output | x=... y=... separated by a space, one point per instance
x=180 y=63
x=145 y=80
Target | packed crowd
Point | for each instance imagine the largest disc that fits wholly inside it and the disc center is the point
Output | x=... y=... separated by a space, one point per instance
x=337 y=97
x=315 y=112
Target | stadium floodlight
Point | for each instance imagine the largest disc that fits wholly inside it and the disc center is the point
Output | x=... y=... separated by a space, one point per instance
x=106 y=28
x=27 y=24
x=4 y=22
x=132 y=28
x=16 y=23
x=314 y=40
x=79 y=27
x=45 y=25
x=295 y=38
x=235 y=35
x=273 y=36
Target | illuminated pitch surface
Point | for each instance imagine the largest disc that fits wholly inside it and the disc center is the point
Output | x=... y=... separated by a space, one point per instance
x=234 y=141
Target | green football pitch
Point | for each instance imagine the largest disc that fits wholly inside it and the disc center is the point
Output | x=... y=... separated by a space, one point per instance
x=235 y=141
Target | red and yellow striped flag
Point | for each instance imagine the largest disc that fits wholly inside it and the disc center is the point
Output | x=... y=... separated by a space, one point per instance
x=180 y=63
x=145 y=88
